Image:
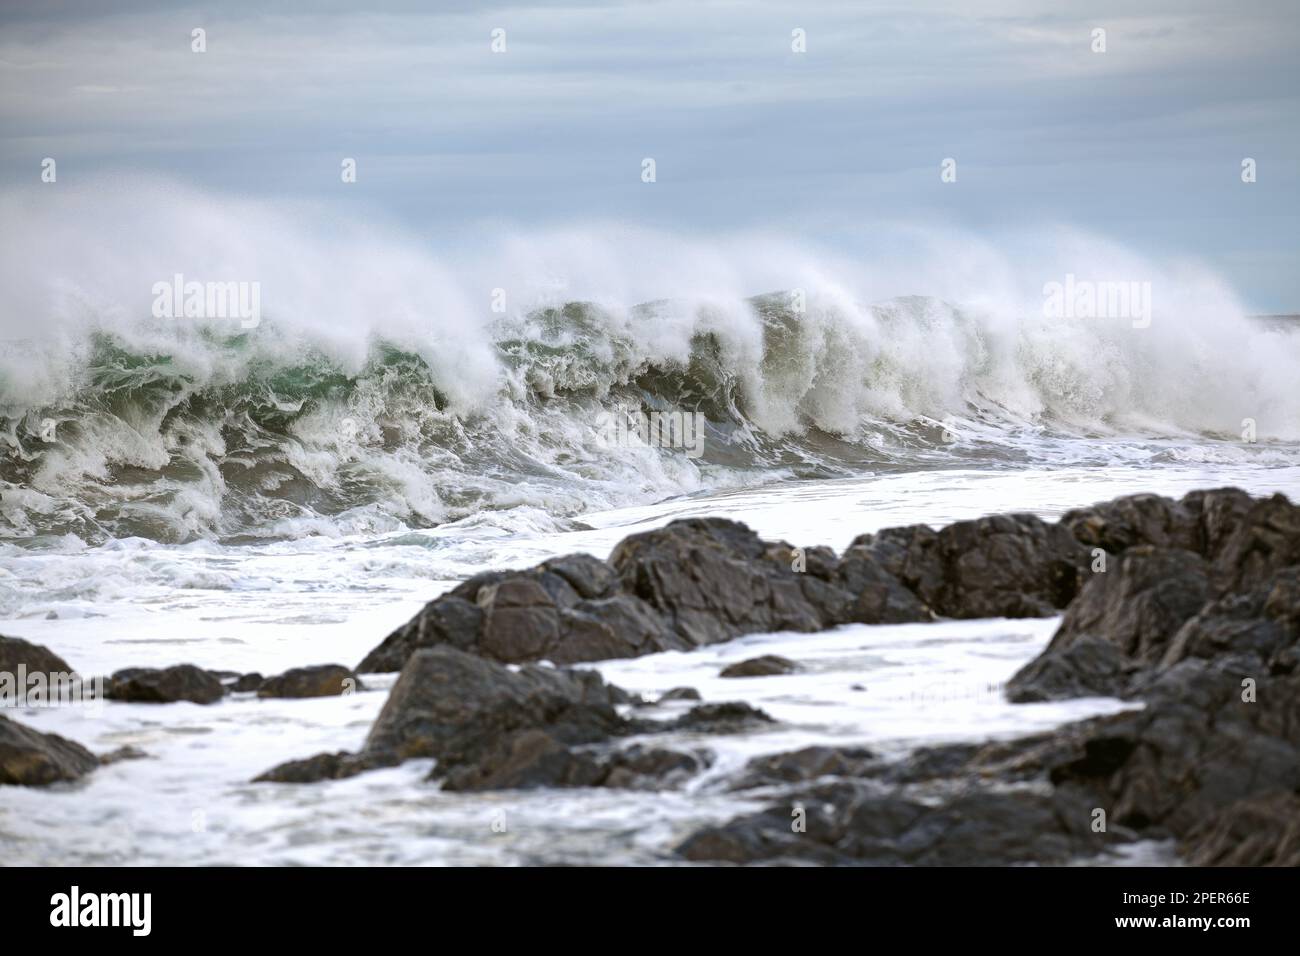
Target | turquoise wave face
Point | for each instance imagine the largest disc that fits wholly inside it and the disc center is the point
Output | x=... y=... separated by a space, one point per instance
x=250 y=434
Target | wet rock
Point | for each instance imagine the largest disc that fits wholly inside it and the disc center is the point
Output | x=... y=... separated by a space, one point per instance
x=34 y=658
x=875 y=596
x=322 y=680
x=1263 y=623
x=1012 y=565
x=534 y=758
x=619 y=626
x=1244 y=539
x=450 y=620
x=245 y=683
x=326 y=766
x=711 y=581
x=1135 y=606
x=1257 y=831
x=729 y=717
x=696 y=581
x=526 y=760
x=455 y=707
x=808 y=764
x=30 y=758
x=860 y=823
x=120 y=754
x=1265 y=540
x=1087 y=666
x=768 y=665
x=1115 y=526
x=165 y=685
x=1150 y=611
x=1196 y=748
x=679 y=693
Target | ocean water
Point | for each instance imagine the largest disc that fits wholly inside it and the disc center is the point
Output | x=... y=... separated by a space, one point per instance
x=253 y=499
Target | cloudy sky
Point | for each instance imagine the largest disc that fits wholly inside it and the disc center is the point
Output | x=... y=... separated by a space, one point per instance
x=1142 y=143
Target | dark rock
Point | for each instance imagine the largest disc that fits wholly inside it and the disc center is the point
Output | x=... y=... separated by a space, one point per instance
x=29 y=758
x=34 y=658
x=680 y=693
x=526 y=760
x=1245 y=539
x=1264 y=540
x=449 y=620
x=122 y=753
x=998 y=566
x=1087 y=666
x=1115 y=526
x=1256 y=831
x=696 y=581
x=802 y=766
x=710 y=579
x=1262 y=623
x=768 y=665
x=533 y=758
x=165 y=685
x=335 y=766
x=875 y=596
x=1196 y=748
x=653 y=768
x=859 y=823
x=245 y=683
x=1135 y=606
x=589 y=577
x=618 y=626
x=322 y=680
x=729 y=717
x=456 y=707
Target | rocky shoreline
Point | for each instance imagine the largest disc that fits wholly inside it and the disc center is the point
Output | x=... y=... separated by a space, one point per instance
x=1189 y=607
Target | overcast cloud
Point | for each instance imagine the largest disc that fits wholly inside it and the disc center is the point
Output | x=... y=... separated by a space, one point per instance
x=1142 y=143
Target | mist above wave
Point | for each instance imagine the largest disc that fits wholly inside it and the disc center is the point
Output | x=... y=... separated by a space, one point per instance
x=389 y=385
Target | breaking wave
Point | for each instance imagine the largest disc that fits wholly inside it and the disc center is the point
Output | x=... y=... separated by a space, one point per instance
x=390 y=386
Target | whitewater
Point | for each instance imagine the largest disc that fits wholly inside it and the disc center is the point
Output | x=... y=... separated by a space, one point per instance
x=410 y=411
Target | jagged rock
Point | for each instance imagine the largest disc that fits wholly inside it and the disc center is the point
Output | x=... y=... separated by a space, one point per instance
x=1085 y=667
x=728 y=717
x=1245 y=539
x=322 y=680
x=35 y=658
x=859 y=822
x=335 y=766
x=450 y=620
x=768 y=665
x=455 y=707
x=679 y=693
x=1135 y=606
x=1263 y=623
x=120 y=754
x=1264 y=540
x=1150 y=612
x=534 y=758
x=808 y=764
x=30 y=758
x=693 y=582
x=1256 y=831
x=245 y=683
x=1014 y=565
x=874 y=596
x=1196 y=748
x=165 y=685
x=710 y=579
